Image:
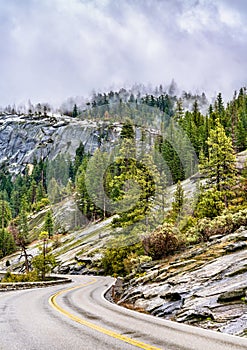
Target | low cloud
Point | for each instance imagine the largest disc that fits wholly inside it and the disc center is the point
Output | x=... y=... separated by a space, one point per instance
x=53 y=49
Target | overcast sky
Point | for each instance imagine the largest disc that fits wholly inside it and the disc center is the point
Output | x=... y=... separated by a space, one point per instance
x=53 y=49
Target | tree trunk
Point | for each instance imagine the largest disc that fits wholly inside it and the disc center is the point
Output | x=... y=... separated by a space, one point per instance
x=26 y=259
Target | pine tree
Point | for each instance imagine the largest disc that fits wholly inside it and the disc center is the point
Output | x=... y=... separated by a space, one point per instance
x=49 y=224
x=177 y=204
x=79 y=156
x=75 y=111
x=7 y=244
x=127 y=131
x=83 y=200
x=54 y=191
x=179 y=112
x=40 y=192
x=5 y=213
x=134 y=186
x=220 y=110
x=94 y=181
x=19 y=230
x=220 y=168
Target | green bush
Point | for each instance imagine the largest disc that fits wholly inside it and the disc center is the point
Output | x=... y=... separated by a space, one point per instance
x=210 y=204
x=43 y=264
x=40 y=204
x=26 y=277
x=221 y=225
x=114 y=259
x=133 y=262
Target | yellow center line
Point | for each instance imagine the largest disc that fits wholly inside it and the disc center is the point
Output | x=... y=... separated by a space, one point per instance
x=54 y=304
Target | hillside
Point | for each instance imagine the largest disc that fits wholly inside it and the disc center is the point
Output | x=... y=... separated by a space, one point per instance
x=204 y=285
x=140 y=189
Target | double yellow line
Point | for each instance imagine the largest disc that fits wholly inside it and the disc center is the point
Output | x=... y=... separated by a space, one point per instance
x=54 y=304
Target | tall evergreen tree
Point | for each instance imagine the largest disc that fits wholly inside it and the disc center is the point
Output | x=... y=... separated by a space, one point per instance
x=220 y=167
x=79 y=156
x=127 y=131
x=49 y=224
x=5 y=213
x=75 y=111
x=7 y=244
x=94 y=181
x=177 y=204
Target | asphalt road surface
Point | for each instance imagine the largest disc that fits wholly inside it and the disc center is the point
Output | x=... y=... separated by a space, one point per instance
x=77 y=317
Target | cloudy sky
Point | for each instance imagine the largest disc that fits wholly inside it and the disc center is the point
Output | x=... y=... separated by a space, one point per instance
x=53 y=49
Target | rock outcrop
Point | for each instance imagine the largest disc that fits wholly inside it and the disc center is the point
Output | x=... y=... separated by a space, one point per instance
x=205 y=286
x=23 y=138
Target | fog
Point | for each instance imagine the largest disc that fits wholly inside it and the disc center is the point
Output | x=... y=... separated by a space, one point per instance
x=53 y=49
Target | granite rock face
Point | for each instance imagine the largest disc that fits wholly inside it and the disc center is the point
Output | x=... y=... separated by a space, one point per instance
x=206 y=287
x=23 y=138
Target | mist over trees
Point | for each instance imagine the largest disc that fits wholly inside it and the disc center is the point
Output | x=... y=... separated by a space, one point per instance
x=162 y=140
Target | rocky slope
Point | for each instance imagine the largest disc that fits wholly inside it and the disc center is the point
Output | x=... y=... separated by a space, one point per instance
x=205 y=286
x=78 y=250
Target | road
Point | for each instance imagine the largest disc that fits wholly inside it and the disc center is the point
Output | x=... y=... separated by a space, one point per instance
x=77 y=317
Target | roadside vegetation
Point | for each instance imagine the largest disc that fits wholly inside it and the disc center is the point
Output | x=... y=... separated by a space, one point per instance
x=134 y=184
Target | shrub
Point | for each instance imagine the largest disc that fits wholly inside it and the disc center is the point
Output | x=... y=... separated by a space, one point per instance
x=25 y=277
x=133 y=262
x=41 y=204
x=210 y=204
x=221 y=225
x=43 y=264
x=114 y=259
x=161 y=242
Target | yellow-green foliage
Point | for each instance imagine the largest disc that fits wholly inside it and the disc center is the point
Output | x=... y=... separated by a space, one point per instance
x=210 y=204
x=43 y=264
x=41 y=204
x=114 y=259
x=221 y=225
x=26 y=277
x=133 y=262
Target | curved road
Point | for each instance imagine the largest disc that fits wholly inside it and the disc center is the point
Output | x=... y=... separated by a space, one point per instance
x=77 y=317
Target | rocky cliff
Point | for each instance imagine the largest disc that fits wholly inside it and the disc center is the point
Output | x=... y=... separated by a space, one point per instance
x=206 y=286
x=23 y=138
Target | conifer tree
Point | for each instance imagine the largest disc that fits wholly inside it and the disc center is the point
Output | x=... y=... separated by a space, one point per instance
x=49 y=224
x=94 y=181
x=54 y=192
x=83 y=200
x=75 y=111
x=79 y=156
x=177 y=204
x=127 y=131
x=19 y=230
x=5 y=213
x=7 y=244
x=134 y=186
x=179 y=111
x=220 y=167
